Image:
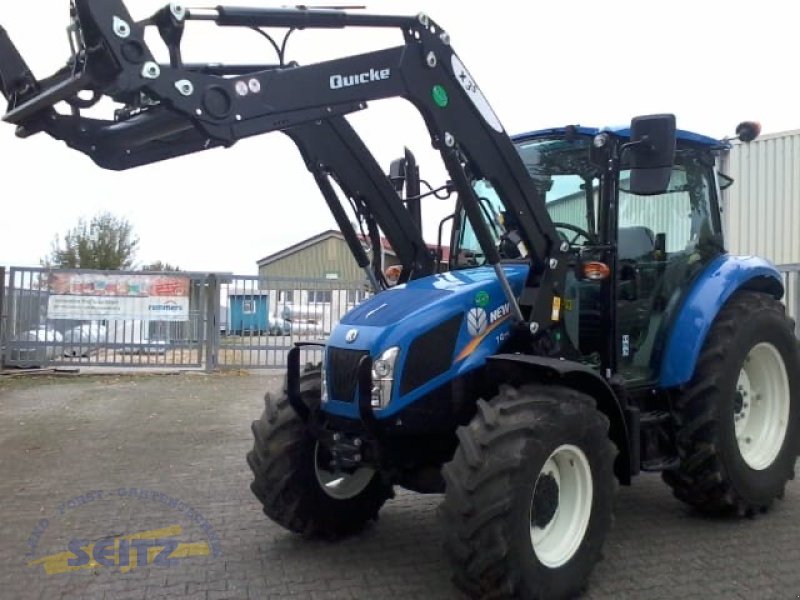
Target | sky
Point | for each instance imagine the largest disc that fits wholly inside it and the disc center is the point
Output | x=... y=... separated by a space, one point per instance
x=712 y=63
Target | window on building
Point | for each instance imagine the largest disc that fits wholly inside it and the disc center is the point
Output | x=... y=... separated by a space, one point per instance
x=320 y=296
x=249 y=307
x=356 y=296
x=286 y=296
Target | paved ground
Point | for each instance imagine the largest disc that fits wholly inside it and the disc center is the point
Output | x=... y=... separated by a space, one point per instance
x=86 y=459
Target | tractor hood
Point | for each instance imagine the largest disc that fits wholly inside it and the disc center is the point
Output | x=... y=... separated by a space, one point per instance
x=443 y=326
x=419 y=300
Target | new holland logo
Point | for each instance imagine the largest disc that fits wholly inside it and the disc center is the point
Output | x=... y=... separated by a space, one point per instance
x=477 y=321
x=342 y=81
x=351 y=336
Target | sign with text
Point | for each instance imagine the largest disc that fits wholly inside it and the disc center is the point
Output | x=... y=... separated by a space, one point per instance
x=96 y=296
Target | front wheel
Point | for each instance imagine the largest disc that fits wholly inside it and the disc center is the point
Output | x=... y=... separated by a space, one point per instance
x=739 y=418
x=293 y=479
x=529 y=494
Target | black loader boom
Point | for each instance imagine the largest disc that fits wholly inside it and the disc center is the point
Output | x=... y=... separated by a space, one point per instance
x=175 y=109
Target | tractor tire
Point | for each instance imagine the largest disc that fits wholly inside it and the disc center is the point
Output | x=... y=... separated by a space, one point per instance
x=738 y=419
x=295 y=491
x=529 y=494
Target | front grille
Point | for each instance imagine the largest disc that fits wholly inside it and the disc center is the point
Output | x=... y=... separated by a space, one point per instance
x=431 y=354
x=342 y=370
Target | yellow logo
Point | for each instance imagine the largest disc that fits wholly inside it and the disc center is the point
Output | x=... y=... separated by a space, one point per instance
x=127 y=552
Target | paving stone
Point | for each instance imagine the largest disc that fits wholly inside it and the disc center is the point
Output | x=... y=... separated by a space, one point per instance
x=186 y=436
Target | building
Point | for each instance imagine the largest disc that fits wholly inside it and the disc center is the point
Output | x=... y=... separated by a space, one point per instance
x=315 y=282
x=761 y=209
x=247 y=312
x=323 y=256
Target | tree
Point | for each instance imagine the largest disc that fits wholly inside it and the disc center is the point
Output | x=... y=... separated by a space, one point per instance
x=160 y=266
x=105 y=243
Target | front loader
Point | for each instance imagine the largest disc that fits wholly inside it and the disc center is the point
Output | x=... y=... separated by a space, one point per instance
x=586 y=325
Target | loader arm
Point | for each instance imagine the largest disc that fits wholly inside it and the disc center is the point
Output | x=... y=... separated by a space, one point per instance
x=175 y=109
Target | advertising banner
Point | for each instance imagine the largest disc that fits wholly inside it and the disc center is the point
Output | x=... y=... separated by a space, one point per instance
x=96 y=296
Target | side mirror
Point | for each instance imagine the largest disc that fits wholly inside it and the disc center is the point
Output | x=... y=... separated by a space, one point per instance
x=725 y=181
x=652 y=154
x=747 y=131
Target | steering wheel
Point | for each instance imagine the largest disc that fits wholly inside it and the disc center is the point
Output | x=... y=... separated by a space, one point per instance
x=579 y=233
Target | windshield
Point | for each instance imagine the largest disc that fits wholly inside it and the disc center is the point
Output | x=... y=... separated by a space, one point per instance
x=562 y=172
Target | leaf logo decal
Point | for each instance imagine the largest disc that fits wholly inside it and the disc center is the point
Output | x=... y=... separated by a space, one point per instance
x=477 y=321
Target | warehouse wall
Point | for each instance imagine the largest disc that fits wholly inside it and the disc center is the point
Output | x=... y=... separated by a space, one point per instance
x=669 y=214
x=327 y=257
x=762 y=208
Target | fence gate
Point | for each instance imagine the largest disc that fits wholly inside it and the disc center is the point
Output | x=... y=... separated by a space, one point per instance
x=79 y=318
x=261 y=319
x=96 y=318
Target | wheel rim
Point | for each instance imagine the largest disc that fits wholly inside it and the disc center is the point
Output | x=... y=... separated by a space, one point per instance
x=342 y=486
x=561 y=506
x=761 y=406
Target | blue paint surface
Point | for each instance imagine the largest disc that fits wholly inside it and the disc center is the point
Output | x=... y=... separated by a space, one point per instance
x=621 y=132
x=397 y=316
x=709 y=293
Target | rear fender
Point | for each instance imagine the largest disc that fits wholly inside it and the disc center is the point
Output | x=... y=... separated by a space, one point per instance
x=518 y=369
x=708 y=294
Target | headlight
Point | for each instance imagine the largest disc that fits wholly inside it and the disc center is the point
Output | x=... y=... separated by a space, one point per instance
x=381 y=369
x=383 y=377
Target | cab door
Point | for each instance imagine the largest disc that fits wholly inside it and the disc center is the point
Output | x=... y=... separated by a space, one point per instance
x=663 y=243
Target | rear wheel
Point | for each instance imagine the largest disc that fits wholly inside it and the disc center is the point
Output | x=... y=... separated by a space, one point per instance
x=738 y=419
x=529 y=494
x=293 y=478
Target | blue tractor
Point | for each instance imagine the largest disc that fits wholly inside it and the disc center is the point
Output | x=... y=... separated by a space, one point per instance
x=586 y=325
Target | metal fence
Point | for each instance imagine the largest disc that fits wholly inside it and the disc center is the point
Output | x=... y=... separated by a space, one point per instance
x=232 y=322
x=260 y=320
x=791 y=297
x=32 y=337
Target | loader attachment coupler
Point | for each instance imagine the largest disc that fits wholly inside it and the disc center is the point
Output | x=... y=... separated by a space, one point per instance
x=169 y=109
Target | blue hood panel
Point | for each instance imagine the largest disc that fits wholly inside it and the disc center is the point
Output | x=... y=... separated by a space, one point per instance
x=396 y=317
x=390 y=307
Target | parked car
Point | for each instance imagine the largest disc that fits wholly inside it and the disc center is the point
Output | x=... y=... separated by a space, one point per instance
x=278 y=326
x=306 y=327
x=80 y=340
x=304 y=320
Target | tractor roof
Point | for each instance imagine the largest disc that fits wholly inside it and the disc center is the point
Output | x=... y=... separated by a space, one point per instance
x=622 y=132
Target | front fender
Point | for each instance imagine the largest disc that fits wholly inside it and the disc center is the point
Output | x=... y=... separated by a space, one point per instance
x=709 y=293
x=518 y=369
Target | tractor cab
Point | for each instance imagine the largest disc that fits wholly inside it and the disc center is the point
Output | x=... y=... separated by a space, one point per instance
x=651 y=245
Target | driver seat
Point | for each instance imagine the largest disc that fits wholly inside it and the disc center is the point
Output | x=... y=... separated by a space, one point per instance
x=634 y=243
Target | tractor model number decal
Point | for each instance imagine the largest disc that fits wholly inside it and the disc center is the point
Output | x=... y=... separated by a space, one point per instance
x=480 y=324
x=478 y=320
